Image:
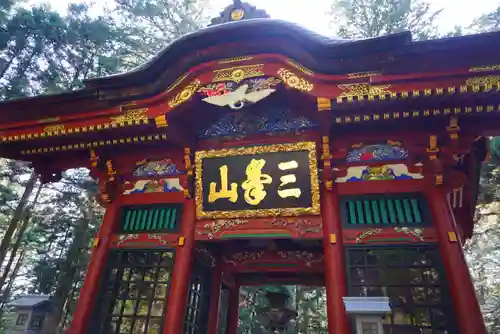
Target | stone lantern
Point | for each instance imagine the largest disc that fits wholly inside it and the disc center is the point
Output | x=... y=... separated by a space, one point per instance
x=367 y=313
x=277 y=315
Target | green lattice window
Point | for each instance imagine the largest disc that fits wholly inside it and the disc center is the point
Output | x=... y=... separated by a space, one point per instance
x=383 y=209
x=151 y=218
x=133 y=293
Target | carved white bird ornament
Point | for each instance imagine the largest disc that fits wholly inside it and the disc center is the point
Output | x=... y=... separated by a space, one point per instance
x=236 y=100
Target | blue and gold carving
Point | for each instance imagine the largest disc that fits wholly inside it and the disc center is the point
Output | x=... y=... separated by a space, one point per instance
x=153 y=168
x=255 y=121
x=379 y=173
x=152 y=186
x=378 y=152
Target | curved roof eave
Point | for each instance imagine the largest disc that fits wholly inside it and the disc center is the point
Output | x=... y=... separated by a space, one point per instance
x=246 y=29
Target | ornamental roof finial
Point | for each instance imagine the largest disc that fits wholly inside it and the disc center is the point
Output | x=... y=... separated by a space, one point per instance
x=239 y=11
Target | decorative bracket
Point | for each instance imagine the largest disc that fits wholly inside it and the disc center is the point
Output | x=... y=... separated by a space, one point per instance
x=453 y=128
x=433 y=151
x=94 y=159
x=188 y=190
x=161 y=121
x=110 y=170
x=324 y=104
x=326 y=157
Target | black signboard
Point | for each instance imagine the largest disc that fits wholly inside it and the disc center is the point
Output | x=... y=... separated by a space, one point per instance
x=254 y=181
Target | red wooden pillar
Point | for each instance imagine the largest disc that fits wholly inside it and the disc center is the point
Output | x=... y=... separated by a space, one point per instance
x=233 y=310
x=464 y=298
x=335 y=277
x=213 y=317
x=178 y=293
x=91 y=286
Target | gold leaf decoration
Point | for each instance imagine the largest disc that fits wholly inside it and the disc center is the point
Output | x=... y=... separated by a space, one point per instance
x=185 y=94
x=238 y=73
x=358 y=75
x=235 y=59
x=294 y=81
x=300 y=67
x=131 y=116
x=485 y=68
x=49 y=120
x=54 y=129
x=488 y=80
x=363 y=89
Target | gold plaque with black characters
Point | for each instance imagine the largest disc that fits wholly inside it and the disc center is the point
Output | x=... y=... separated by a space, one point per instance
x=257 y=181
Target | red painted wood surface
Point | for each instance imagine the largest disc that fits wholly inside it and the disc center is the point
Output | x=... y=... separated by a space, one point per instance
x=303 y=227
x=335 y=276
x=467 y=311
x=233 y=310
x=91 y=286
x=213 y=316
x=178 y=293
x=273 y=261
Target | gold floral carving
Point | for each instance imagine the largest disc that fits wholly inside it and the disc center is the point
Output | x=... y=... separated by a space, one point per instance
x=185 y=94
x=368 y=234
x=54 y=129
x=238 y=73
x=220 y=225
x=301 y=146
x=308 y=257
x=415 y=232
x=300 y=67
x=358 y=75
x=235 y=59
x=241 y=257
x=177 y=82
x=485 y=68
x=362 y=89
x=131 y=116
x=301 y=225
x=487 y=80
x=294 y=81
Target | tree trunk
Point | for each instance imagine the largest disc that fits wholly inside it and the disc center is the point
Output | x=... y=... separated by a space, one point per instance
x=17 y=216
x=13 y=276
x=68 y=271
x=19 y=239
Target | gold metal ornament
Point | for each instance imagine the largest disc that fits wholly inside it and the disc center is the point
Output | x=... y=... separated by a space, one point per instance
x=237 y=14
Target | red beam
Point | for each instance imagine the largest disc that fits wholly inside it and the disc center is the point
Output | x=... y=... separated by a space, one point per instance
x=177 y=299
x=90 y=290
x=467 y=311
x=335 y=277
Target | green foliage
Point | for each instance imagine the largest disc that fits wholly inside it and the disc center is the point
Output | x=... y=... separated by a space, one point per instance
x=371 y=18
x=487 y=22
x=148 y=26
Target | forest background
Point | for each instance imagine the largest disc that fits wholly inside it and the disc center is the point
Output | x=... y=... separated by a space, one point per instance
x=47 y=230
